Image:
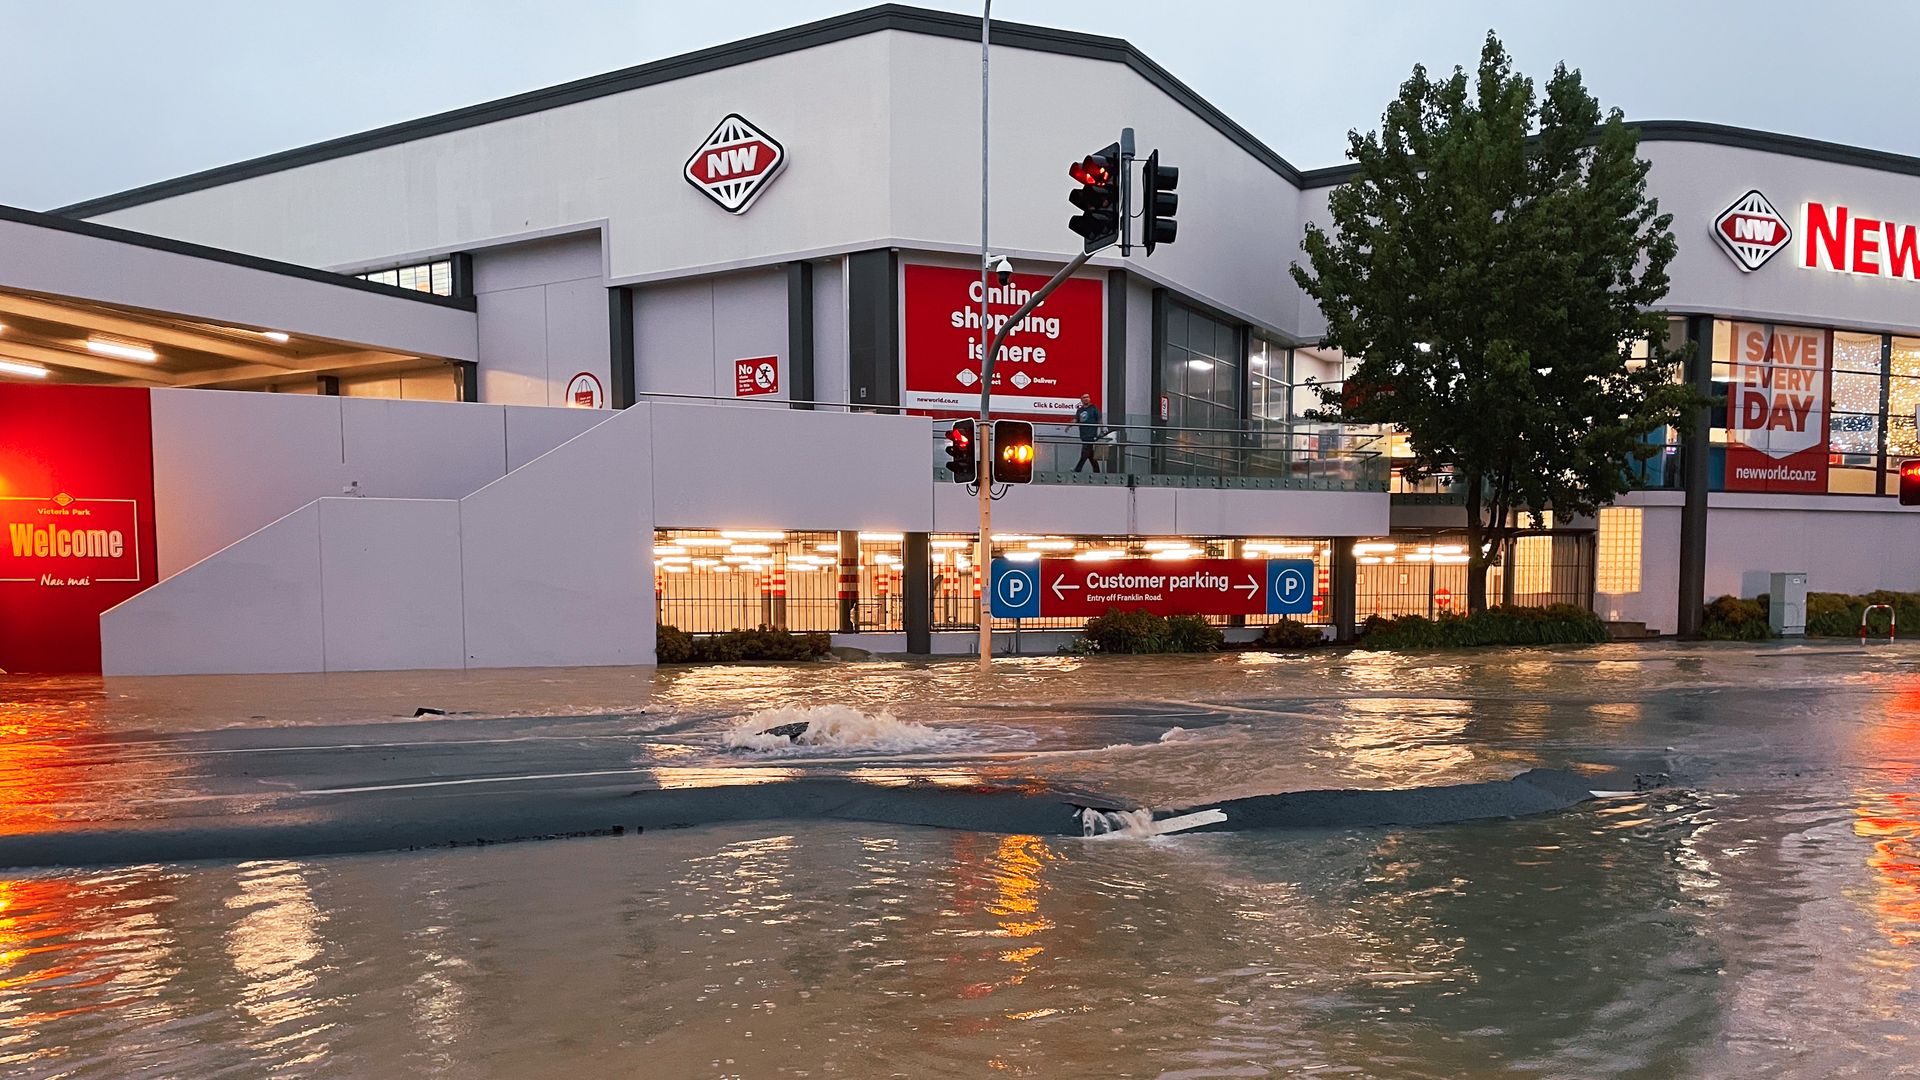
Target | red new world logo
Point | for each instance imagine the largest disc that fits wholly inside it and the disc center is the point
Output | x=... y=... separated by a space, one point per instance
x=734 y=164
x=1751 y=231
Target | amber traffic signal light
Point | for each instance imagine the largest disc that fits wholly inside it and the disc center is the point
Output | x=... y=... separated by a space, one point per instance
x=962 y=459
x=1012 y=452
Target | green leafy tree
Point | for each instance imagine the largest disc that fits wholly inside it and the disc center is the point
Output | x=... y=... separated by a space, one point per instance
x=1492 y=263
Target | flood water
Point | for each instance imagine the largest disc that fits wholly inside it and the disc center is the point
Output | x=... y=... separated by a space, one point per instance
x=1758 y=916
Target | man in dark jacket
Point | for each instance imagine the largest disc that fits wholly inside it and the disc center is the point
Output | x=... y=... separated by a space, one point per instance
x=1088 y=417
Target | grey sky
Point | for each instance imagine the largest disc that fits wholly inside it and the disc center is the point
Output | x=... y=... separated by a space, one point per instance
x=110 y=94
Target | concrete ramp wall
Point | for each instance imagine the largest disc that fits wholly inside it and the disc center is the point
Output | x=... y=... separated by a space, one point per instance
x=548 y=565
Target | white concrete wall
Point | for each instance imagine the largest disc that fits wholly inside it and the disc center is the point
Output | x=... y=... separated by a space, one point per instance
x=863 y=121
x=557 y=556
x=1845 y=544
x=1162 y=511
x=549 y=565
x=688 y=334
x=542 y=318
x=719 y=466
x=226 y=463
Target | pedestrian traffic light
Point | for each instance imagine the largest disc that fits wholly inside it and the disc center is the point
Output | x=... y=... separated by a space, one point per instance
x=961 y=461
x=1012 y=452
x=1159 y=204
x=1910 y=482
x=1099 y=195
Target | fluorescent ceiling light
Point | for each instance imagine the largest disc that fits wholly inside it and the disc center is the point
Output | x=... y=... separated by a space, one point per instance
x=1050 y=545
x=275 y=336
x=1200 y=365
x=22 y=368
x=739 y=534
x=701 y=541
x=1168 y=545
x=1023 y=556
x=122 y=350
x=749 y=549
x=953 y=543
x=882 y=537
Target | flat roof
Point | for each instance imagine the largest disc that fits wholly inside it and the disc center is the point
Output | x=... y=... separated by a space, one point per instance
x=57 y=220
x=918 y=21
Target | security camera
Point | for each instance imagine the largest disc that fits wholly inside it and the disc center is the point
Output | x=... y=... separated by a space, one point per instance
x=1004 y=269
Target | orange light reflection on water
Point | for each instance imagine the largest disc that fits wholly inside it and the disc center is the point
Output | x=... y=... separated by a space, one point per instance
x=1890 y=819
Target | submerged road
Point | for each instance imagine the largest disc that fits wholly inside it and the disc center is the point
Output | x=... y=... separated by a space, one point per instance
x=257 y=793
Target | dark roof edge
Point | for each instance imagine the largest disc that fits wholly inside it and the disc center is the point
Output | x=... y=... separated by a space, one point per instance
x=777 y=43
x=221 y=255
x=1696 y=131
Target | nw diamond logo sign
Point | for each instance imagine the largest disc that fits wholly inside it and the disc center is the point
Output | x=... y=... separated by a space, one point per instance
x=735 y=164
x=1751 y=230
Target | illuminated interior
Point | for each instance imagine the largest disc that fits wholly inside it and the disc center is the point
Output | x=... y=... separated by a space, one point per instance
x=62 y=340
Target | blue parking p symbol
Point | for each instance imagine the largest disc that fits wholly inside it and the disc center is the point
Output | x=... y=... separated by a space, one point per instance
x=1016 y=590
x=1289 y=586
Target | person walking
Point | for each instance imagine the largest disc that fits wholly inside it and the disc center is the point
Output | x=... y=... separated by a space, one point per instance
x=1088 y=417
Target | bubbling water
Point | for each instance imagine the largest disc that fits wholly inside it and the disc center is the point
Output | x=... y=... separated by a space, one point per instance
x=835 y=727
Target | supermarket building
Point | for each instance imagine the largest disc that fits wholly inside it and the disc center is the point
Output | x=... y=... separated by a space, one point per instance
x=508 y=385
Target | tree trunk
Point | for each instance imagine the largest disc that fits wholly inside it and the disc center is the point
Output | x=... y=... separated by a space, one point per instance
x=1476 y=556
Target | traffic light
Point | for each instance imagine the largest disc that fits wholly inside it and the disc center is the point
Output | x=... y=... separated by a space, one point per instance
x=1910 y=482
x=1159 y=204
x=1099 y=197
x=1012 y=452
x=961 y=461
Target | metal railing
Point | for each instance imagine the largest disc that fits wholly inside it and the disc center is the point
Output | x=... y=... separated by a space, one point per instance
x=1152 y=455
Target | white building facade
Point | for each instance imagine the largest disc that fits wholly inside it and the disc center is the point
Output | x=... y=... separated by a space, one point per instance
x=786 y=229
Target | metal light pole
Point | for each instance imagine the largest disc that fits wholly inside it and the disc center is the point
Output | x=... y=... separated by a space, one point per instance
x=983 y=430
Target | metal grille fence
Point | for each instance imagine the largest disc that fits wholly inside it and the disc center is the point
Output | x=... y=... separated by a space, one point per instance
x=711 y=581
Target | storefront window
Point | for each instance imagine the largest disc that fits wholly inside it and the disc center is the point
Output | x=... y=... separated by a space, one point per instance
x=1903 y=399
x=1853 y=434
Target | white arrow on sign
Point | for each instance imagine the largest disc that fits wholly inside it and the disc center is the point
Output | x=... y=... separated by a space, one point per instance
x=1059 y=584
x=1252 y=586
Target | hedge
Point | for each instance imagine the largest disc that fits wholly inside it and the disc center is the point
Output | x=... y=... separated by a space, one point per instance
x=1555 y=624
x=1290 y=634
x=1144 y=632
x=1732 y=618
x=675 y=646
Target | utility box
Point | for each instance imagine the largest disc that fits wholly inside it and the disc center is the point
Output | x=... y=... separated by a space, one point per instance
x=1787 y=605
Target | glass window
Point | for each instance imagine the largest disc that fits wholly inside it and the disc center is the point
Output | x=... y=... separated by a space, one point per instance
x=433 y=277
x=1618 y=570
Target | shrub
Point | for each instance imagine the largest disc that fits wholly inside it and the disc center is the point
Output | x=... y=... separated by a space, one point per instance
x=1290 y=634
x=1144 y=632
x=1838 y=614
x=672 y=645
x=1732 y=618
x=760 y=643
x=1192 y=633
x=1555 y=624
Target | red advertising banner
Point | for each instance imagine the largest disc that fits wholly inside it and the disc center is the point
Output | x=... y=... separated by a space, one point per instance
x=1053 y=356
x=76 y=519
x=1780 y=383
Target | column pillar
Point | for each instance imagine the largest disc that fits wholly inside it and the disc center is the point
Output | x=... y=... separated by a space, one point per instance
x=1343 y=582
x=849 y=582
x=916 y=592
x=1694 y=463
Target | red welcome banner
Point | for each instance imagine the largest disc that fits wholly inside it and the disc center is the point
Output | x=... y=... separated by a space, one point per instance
x=76 y=519
x=1780 y=384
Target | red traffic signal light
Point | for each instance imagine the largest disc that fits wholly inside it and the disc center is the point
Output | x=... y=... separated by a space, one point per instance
x=961 y=460
x=1013 y=452
x=1100 y=197
x=1910 y=482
